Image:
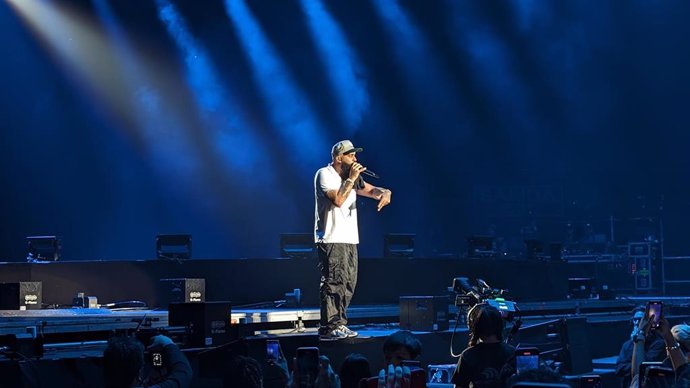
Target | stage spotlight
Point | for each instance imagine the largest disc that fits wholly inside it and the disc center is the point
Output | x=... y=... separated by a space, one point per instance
x=398 y=245
x=481 y=246
x=43 y=248
x=297 y=245
x=341 y=62
x=291 y=112
x=174 y=246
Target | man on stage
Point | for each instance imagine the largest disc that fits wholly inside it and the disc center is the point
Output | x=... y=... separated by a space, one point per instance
x=336 y=187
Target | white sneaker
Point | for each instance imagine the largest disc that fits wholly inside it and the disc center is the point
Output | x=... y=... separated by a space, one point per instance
x=335 y=334
x=348 y=332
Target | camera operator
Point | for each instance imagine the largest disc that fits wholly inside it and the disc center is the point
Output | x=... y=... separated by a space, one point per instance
x=485 y=362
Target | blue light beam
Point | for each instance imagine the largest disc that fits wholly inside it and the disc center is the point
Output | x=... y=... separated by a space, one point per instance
x=427 y=81
x=151 y=114
x=289 y=109
x=233 y=138
x=343 y=67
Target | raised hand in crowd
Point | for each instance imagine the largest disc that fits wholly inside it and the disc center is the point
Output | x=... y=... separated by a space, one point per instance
x=673 y=348
x=396 y=377
x=276 y=374
x=638 y=356
x=327 y=378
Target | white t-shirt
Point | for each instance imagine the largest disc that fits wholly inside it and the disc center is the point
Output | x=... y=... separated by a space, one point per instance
x=334 y=224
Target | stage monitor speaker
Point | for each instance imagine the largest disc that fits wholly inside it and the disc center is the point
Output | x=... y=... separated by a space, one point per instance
x=534 y=249
x=21 y=296
x=208 y=323
x=182 y=290
x=398 y=245
x=424 y=313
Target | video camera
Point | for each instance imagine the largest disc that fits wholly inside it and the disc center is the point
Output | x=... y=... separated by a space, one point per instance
x=468 y=296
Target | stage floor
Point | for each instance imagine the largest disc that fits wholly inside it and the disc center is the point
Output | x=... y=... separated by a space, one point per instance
x=275 y=320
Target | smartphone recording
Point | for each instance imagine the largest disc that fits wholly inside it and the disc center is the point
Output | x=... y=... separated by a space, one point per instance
x=411 y=363
x=273 y=352
x=157 y=359
x=655 y=309
x=307 y=366
x=590 y=381
x=526 y=359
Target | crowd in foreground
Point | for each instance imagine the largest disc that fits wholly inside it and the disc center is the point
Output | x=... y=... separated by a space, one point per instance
x=487 y=362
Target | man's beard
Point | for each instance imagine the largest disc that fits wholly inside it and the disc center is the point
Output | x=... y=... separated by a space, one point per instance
x=346 y=170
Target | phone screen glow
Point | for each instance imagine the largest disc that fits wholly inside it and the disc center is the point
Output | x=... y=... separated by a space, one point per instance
x=654 y=309
x=272 y=350
x=523 y=363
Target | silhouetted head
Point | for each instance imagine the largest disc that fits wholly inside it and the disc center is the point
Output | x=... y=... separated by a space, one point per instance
x=486 y=323
x=682 y=334
x=123 y=360
x=243 y=372
x=637 y=315
x=355 y=368
x=401 y=345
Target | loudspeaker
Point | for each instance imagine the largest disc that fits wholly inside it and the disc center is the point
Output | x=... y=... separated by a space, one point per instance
x=424 y=313
x=182 y=290
x=208 y=323
x=21 y=296
x=577 y=357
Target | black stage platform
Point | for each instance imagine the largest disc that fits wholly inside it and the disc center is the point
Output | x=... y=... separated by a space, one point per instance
x=243 y=281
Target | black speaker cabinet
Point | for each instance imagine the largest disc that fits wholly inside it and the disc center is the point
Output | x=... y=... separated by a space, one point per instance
x=424 y=313
x=207 y=323
x=577 y=358
x=21 y=296
x=182 y=290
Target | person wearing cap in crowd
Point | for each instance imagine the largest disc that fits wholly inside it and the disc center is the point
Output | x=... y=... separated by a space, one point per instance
x=336 y=187
x=682 y=334
x=653 y=348
x=679 y=353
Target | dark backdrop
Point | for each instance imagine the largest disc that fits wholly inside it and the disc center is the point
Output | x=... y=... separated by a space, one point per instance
x=122 y=120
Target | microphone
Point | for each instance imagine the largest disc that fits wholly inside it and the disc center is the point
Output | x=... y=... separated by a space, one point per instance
x=370 y=173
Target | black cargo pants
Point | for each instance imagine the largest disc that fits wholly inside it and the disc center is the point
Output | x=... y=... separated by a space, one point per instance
x=338 y=266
